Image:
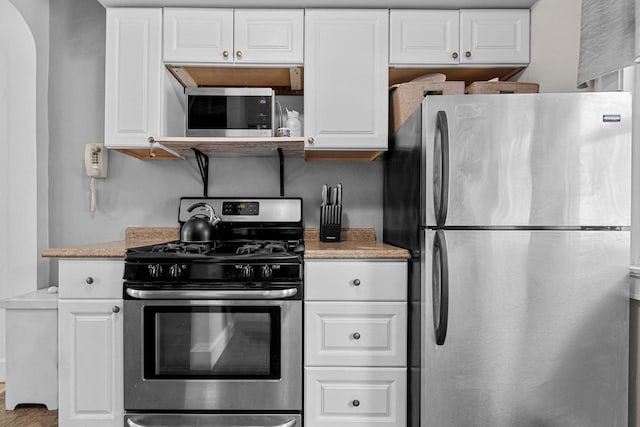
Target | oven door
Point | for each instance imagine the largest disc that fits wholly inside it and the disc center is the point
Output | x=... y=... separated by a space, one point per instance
x=213 y=355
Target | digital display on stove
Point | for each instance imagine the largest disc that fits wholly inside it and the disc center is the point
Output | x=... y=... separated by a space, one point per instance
x=240 y=208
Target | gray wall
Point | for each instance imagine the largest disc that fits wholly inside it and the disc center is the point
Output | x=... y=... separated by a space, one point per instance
x=146 y=193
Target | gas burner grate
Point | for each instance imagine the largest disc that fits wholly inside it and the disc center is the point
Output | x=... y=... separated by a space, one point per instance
x=186 y=248
x=266 y=247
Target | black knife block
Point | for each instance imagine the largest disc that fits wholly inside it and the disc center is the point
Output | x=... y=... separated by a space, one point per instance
x=330 y=223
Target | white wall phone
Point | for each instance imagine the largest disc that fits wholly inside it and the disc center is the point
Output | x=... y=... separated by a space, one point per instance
x=95 y=163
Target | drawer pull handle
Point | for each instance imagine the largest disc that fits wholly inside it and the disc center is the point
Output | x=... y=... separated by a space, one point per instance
x=115 y=309
x=356 y=335
x=356 y=282
x=356 y=403
x=89 y=280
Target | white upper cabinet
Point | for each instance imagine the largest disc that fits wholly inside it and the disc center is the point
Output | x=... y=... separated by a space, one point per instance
x=217 y=36
x=424 y=36
x=133 y=76
x=346 y=79
x=141 y=98
x=269 y=36
x=494 y=36
x=452 y=37
x=192 y=35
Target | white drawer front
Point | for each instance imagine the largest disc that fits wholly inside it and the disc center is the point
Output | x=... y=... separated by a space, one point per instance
x=90 y=278
x=355 y=334
x=356 y=280
x=355 y=396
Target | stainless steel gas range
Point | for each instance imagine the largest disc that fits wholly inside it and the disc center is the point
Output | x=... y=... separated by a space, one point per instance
x=213 y=330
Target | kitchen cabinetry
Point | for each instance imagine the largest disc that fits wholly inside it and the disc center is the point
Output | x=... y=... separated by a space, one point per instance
x=452 y=37
x=346 y=80
x=90 y=343
x=141 y=97
x=494 y=36
x=355 y=342
x=219 y=36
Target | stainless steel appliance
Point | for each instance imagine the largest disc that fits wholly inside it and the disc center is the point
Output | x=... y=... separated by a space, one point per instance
x=234 y=111
x=215 y=329
x=516 y=209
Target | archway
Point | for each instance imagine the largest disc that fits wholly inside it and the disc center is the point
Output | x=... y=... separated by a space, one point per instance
x=18 y=170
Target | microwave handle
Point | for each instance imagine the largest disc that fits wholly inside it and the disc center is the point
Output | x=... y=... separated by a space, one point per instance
x=290 y=423
x=190 y=294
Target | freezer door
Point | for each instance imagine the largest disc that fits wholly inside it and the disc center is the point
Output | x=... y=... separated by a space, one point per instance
x=536 y=329
x=530 y=159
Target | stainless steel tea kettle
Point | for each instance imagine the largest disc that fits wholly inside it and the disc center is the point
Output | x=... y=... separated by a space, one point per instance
x=199 y=228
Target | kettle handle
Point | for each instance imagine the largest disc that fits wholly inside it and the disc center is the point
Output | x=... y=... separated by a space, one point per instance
x=213 y=216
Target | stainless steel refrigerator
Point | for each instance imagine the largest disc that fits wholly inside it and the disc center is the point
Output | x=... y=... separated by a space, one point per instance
x=516 y=209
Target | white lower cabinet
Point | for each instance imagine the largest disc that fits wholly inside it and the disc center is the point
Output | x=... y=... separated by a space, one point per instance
x=343 y=396
x=355 y=343
x=90 y=344
x=355 y=334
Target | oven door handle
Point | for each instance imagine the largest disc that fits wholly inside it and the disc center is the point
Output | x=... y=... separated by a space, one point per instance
x=290 y=423
x=191 y=294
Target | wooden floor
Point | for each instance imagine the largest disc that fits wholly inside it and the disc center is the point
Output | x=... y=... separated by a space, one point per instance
x=26 y=415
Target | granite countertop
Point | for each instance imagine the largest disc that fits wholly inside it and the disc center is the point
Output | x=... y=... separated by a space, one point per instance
x=356 y=243
x=134 y=236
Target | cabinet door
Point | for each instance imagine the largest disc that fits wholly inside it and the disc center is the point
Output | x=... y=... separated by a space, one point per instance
x=90 y=278
x=424 y=37
x=91 y=363
x=133 y=77
x=359 y=280
x=198 y=35
x=355 y=333
x=346 y=79
x=269 y=36
x=355 y=396
x=494 y=36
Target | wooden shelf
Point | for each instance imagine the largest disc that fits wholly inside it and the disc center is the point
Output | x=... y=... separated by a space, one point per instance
x=232 y=146
x=209 y=76
x=464 y=73
x=342 y=156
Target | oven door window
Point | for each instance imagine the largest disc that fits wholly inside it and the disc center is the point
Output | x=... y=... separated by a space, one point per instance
x=210 y=342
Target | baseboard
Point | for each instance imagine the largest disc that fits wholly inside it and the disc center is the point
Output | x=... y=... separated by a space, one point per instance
x=3 y=370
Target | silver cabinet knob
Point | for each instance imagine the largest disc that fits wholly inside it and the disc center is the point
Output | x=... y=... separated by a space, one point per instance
x=356 y=335
x=225 y=53
x=89 y=280
x=115 y=309
x=311 y=140
x=356 y=403
x=239 y=54
x=454 y=55
x=467 y=54
x=356 y=282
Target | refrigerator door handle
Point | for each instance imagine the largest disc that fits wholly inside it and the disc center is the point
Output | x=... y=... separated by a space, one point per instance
x=440 y=287
x=441 y=169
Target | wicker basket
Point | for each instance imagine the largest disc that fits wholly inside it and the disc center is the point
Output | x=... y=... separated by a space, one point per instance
x=405 y=98
x=501 y=87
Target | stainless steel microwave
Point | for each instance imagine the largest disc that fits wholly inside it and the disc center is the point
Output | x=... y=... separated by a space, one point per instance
x=235 y=111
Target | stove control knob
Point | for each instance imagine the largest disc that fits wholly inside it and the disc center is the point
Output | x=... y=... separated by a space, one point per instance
x=155 y=270
x=266 y=272
x=246 y=271
x=175 y=271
